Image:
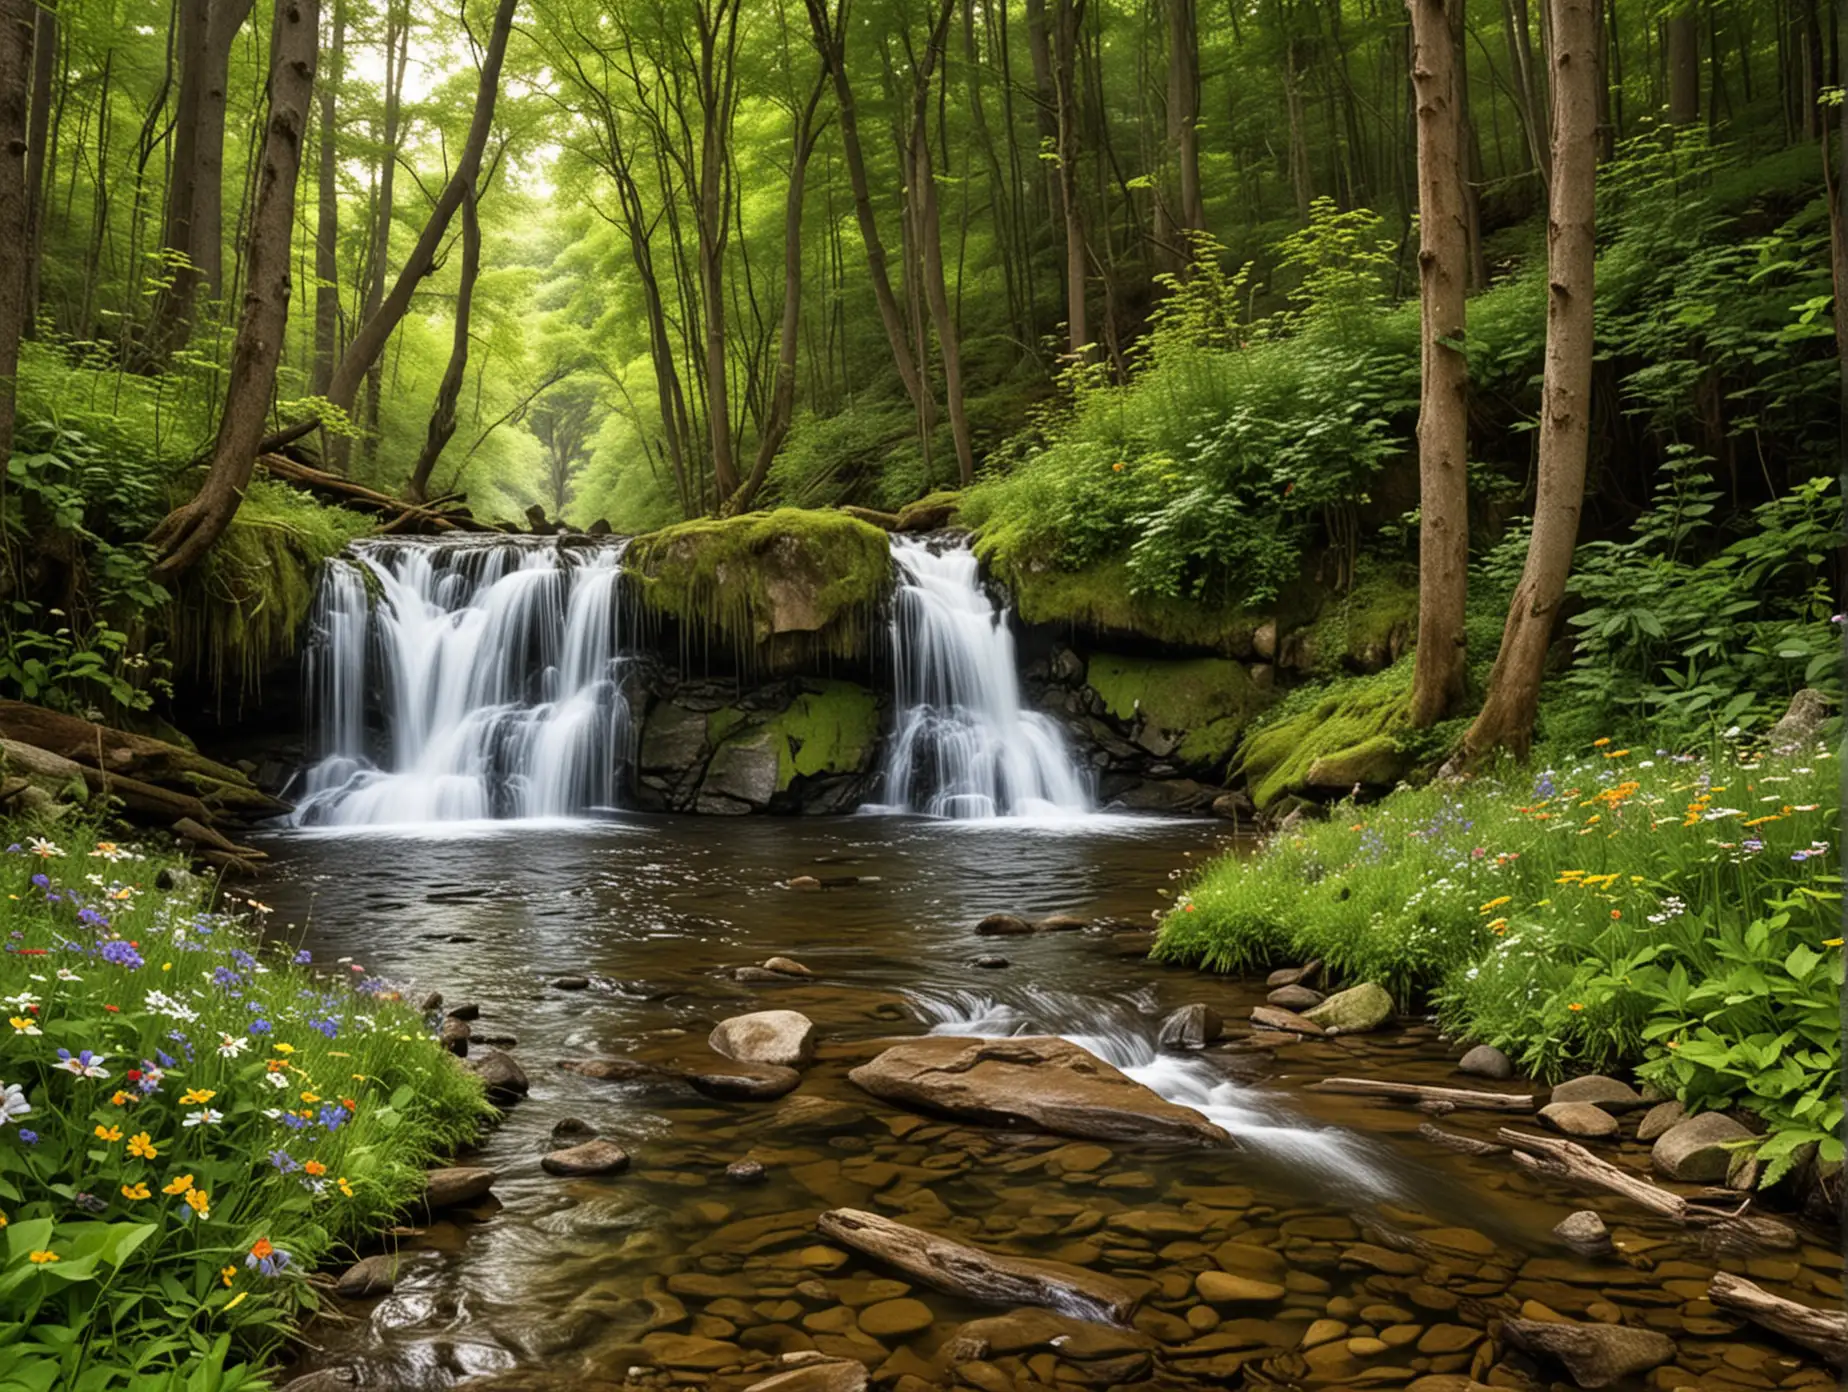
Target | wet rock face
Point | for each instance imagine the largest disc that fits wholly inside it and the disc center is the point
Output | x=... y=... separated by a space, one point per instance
x=505 y=1080
x=1191 y=1027
x=1036 y=1081
x=456 y=1185
x=368 y=1277
x=1486 y=1061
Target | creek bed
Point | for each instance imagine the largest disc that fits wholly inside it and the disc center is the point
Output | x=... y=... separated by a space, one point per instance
x=669 y=1266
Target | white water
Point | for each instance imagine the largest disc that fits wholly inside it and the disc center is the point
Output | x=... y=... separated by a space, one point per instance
x=1124 y=1037
x=497 y=664
x=964 y=747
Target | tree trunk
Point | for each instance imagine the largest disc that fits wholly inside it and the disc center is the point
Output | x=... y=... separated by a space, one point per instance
x=1178 y=211
x=187 y=532
x=1683 y=39
x=1301 y=185
x=443 y=415
x=327 y=220
x=717 y=25
x=17 y=23
x=369 y=339
x=378 y=253
x=208 y=246
x=1838 y=232
x=923 y=180
x=1067 y=16
x=1530 y=99
x=1443 y=414
x=1507 y=716
x=38 y=124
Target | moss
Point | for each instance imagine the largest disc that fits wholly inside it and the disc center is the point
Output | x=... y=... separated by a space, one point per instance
x=1100 y=599
x=1345 y=724
x=826 y=730
x=1211 y=699
x=930 y=512
x=779 y=587
x=1370 y=626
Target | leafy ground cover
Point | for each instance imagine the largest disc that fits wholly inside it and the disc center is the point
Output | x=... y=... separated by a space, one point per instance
x=1674 y=912
x=193 y=1116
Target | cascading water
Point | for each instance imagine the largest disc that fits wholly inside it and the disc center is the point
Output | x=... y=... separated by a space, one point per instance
x=498 y=666
x=964 y=747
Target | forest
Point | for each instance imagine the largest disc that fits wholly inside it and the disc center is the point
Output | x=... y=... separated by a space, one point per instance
x=809 y=695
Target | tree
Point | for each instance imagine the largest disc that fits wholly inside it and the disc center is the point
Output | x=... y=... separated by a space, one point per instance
x=38 y=125
x=1683 y=43
x=17 y=23
x=1067 y=17
x=189 y=531
x=1443 y=414
x=443 y=416
x=1507 y=716
x=327 y=217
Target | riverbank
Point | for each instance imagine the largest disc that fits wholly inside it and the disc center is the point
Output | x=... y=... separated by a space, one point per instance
x=197 y=1114
x=1630 y=909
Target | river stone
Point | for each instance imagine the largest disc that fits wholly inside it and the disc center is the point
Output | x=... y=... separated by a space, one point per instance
x=825 y=1375
x=1600 y=1091
x=1353 y=1011
x=756 y=974
x=782 y=1037
x=371 y=1276
x=1293 y=976
x=1191 y=1027
x=432 y=1002
x=1585 y=1232
x=1658 y=1119
x=1273 y=1017
x=1580 y=1119
x=1059 y=923
x=571 y=983
x=323 y=1380
x=1699 y=1149
x=894 y=1319
x=1486 y=1061
x=1295 y=998
x=1042 y=1082
x=506 y=1081
x=453 y=1036
x=455 y=1185
x=991 y=962
x=572 y=1131
x=746 y=1171
x=1225 y=1288
x=786 y=966
x=1003 y=925
x=691 y=1351
x=465 y=1011
x=744 y=1081
x=590 y=1158
x=802 y=882
x=1596 y=1355
x=610 y=1070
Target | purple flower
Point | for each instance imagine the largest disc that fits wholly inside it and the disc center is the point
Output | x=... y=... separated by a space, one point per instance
x=259 y=1026
x=302 y=958
x=92 y=917
x=332 y=1117
x=243 y=958
x=272 y=1265
x=284 y=1161
x=29 y=1137
x=293 y=1122
x=42 y=881
x=224 y=976
x=327 y=1027
x=167 y=1060
x=120 y=953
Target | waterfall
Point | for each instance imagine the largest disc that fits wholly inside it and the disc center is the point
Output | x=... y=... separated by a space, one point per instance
x=964 y=747
x=497 y=664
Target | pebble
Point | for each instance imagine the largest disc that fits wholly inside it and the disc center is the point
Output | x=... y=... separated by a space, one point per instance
x=591 y=1158
x=1585 y=1232
x=895 y=1318
x=991 y=963
x=745 y=1172
x=571 y=983
x=1224 y=1288
x=1294 y=998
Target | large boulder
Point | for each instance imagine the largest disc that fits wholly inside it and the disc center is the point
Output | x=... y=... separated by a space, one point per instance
x=742 y=776
x=673 y=739
x=1699 y=1150
x=782 y=1037
x=1353 y=1011
x=456 y=1185
x=505 y=1080
x=1042 y=1082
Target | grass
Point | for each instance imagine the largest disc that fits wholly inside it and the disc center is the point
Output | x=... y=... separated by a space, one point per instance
x=195 y=1117
x=1628 y=908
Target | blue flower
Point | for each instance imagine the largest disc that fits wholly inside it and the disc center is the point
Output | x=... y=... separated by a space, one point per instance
x=120 y=953
x=332 y=1117
x=259 y=1026
x=42 y=881
x=243 y=958
x=302 y=958
x=293 y=1122
x=271 y=1261
x=327 y=1027
x=284 y=1161
x=224 y=976
x=167 y=1060
x=29 y=1137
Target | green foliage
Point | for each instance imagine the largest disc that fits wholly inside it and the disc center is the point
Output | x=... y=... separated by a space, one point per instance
x=1101 y=597
x=199 y=1118
x=867 y=454
x=1326 y=724
x=1671 y=912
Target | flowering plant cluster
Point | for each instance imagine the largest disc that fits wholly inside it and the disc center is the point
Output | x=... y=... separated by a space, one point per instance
x=192 y=1115
x=1674 y=912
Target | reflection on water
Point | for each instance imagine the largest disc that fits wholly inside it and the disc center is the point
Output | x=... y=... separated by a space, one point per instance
x=573 y=1275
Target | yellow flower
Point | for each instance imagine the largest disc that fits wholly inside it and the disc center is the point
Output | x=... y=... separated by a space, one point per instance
x=40 y=1258
x=2 y=1220
x=227 y=1274
x=311 y=1097
x=1600 y=743
x=285 y=1048
x=179 y=1186
x=120 y=1099
x=199 y=1202
x=197 y=1097
x=237 y=1300
x=109 y=1133
x=21 y=1025
x=1615 y=753
x=1497 y=903
x=1831 y=942
x=134 y=1192
x=142 y=1145
x=344 y=1187
x=1576 y=1005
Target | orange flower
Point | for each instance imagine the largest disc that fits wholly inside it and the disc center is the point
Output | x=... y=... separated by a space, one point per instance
x=315 y=1167
x=179 y=1186
x=227 y=1275
x=109 y=1133
x=1576 y=1005
x=261 y=1249
x=1616 y=914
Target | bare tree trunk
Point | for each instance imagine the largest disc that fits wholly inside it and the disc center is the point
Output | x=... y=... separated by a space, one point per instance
x=1507 y=716
x=1530 y=99
x=1067 y=16
x=208 y=253
x=1683 y=39
x=443 y=415
x=187 y=532
x=1471 y=154
x=369 y=339
x=327 y=219
x=717 y=24
x=1443 y=413
x=17 y=23
x=38 y=123
x=930 y=236
x=378 y=254
x=1301 y=184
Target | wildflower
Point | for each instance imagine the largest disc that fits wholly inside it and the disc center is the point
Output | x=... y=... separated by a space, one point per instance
x=163 y=1004
x=1615 y=753
x=29 y=1137
x=1616 y=914
x=84 y=1065
x=260 y=1027
x=227 y=1274
x=344 y=1187
x=40 y=1258
x=199 y=1202
x=1576 y=1005
x=283 y=1161
x=66 y=974
x=120 y=954
x=1826 y=942
x=109 y=1133
x=276 y=1080
x=13 y=1104
x=122 y=1099
x=134 y=1193
x=109 y=851
x=179 y=1186
x=285 y=1048
x=333 y=1118
x=1600 y=743
x=44 y=849
x=315 y=1167
x=205 y=1116
x=195 y=1097
x=25 y=1000
x=1496 y=903
x=267 y=1259
x=237 y=1300
x=23 y=1026
x=142 y=1146
x=231 y=1046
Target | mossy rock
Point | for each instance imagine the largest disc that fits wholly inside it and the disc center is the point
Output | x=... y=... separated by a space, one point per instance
x=1367 y=629
x=830 y=729
x=1099 y=599
x=931 y=513
x=1327 y=736
x=1207 y=701
x=779 y=587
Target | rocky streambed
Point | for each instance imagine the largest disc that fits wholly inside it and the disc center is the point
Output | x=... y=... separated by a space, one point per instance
x=953 y=1159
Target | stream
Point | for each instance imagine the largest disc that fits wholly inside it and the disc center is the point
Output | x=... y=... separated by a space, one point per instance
x=1369 y=1257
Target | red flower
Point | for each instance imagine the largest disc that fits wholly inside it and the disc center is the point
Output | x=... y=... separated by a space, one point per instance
x=113 y=1009
x=134 y=1075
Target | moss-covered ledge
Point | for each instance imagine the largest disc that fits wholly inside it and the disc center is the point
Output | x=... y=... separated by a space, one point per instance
x=1199 y=707
x=778 y=588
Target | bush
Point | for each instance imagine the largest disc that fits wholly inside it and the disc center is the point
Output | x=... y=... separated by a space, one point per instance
x=193 y=1119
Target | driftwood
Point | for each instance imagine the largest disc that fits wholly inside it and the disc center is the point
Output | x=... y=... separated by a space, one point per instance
x=1825 y=1331
x=1463 y=1145
x=104 y=747
x=212 y=839
x=1419 y=1092
x=970 y=1272
x=1557 y=1158
x=356 y=495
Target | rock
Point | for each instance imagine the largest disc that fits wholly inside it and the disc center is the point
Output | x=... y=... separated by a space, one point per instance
x=1486 y=1061
x=1585 y=1232
x=505 y=1080
x=1003 y=925
x=571 y=983
x=802 y=882
x=1272 y=1017
x=1041 y=1082
x=433 y=1001
x=611 y=1070
x=456 y=1185
x=1059 y=923
x=590 y=1158
x=1658 y=1119
x=691 y=1351
x=1171 y=795
x=673 y=740
x=756 y=974
x=453 y=1036
x=823 y=1375
x=1596 y=1355
x=1581 y=1120
x=1598 y=1090
x=368 y=1277
x=323 y=1380
x=991 y=962
x=1225 y=1288
x=745 y=1082
x=975 y=1274
x=1353 y=1011
x=742 y=770
x=896 y=1319
x=786 y=966
x=1191 y=1027
x=572 y=1131
x=1297 y=998
x=766 y=1036
x=1699 y=1149
x=1808 y=713
x=1235 y=806
x=1294 y=976
x=1377 y=762
x=745 y=1172
x=468 y=1010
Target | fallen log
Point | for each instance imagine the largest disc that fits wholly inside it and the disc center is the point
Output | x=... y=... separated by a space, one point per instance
x=1420 y=1092
x=1462 y=1145
x=149 y=799
x=989 y=1277
x=40 y=763
x=1825 y=1331
x=212 y=839
x=357 y=495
